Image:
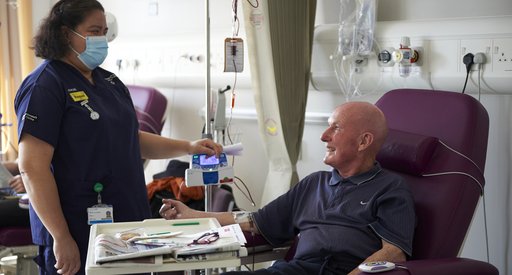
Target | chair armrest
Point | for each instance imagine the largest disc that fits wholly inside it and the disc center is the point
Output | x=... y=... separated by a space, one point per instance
x=258 y=243
x=262 y=251
x=255 y=240
x=452 y=266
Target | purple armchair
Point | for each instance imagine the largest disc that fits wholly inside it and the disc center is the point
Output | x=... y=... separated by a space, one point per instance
x=150 y=106
x=438 y=143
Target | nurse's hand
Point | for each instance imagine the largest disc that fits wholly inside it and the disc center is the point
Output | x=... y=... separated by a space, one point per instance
x=67 y=255
x=16 y=183
x=205 y=146
x=173 y=209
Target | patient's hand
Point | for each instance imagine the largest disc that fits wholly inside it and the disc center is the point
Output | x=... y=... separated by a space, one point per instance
x=173 y=209
x=16 y=184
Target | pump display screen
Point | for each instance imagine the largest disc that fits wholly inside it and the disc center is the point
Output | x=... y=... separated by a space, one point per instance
x=205 y=160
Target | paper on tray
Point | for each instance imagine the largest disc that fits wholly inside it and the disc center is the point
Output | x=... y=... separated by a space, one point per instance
x=135 y=243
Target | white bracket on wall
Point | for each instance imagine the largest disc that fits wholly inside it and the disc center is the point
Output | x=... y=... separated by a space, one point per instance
x=441 y=43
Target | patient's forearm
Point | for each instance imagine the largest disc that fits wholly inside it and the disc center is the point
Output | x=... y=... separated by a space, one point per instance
x=388 y=252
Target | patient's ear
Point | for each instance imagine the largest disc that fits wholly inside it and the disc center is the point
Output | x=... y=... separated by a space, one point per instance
x=366 y=139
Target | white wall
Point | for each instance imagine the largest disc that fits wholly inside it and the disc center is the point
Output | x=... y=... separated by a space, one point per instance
x=327 y=10
x=159 y=41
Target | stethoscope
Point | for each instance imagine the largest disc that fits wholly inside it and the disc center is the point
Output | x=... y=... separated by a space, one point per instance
x=94 y=115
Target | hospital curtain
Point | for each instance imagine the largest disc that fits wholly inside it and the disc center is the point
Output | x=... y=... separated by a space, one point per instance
x=16 y=61
x=279 y=39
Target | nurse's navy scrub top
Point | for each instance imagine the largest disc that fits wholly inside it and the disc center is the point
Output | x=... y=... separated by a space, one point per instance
x=86 y=151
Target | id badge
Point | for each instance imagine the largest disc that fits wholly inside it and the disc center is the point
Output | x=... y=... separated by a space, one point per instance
x=100 y=213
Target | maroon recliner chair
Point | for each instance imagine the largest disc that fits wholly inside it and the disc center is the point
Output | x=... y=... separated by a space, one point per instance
x=150 y=106
x=438 y=142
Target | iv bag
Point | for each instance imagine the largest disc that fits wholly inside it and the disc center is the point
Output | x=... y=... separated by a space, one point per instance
x=357 y=24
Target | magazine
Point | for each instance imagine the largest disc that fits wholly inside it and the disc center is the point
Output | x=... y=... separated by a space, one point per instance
x=112 y=248
x=242 y=252
x=146 y=261
x=135 y=243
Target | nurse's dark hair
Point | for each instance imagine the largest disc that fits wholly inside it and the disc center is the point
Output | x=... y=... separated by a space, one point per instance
x=50 y=41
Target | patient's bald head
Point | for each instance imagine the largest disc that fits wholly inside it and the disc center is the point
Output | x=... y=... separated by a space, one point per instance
x=367 y=118
x=355 y=134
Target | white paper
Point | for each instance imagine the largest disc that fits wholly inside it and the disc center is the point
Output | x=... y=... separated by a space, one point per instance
x=234 y=149
x=5 y=177
x=110 y=248
x=234 y=231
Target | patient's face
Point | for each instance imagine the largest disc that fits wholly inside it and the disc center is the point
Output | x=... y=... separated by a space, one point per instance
x=341 y=139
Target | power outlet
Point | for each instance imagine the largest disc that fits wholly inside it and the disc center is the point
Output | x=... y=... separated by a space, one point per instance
x=502 y=55
x=474 y=46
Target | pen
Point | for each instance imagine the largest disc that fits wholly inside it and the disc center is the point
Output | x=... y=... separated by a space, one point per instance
x=185 y=223
x=159 y=233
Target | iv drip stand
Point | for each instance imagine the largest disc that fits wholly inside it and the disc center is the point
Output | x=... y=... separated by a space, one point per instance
x=208 y=189
x=208 y=202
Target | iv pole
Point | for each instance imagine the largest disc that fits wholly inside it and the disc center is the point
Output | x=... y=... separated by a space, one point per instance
x=208 y=189
x=208 y=202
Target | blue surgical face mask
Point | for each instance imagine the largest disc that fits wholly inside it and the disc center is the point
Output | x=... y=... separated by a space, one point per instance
x=96 y=50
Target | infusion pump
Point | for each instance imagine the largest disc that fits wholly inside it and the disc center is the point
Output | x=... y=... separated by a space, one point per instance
x=208 y=170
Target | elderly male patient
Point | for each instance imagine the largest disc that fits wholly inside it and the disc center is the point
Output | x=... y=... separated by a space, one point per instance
x=356 y=213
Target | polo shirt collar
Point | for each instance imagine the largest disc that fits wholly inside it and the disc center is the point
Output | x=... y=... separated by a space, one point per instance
x=357 y=179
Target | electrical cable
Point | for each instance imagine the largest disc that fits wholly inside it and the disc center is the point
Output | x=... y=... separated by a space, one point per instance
x=430 y=81
x=480 y=61
x=485 y=229
x=468 y=61
x=473 y=178
x=464 y=156
x=465 y=82
x=248 y=196
x=482 y=79
x=252 y=5
x=479 y=88
x=487 y=85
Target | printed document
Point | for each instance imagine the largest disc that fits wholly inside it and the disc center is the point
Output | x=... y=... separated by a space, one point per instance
x=174 y=246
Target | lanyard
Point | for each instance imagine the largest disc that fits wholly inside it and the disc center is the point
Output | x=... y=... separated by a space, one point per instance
x=98 y=187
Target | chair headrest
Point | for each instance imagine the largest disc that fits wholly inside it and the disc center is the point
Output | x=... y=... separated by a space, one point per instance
x=407 y=152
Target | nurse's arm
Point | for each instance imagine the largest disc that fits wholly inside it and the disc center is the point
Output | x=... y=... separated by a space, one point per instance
x=34 y=162
x=157 y=147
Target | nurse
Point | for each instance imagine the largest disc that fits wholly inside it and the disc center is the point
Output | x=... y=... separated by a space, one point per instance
x=80 y=149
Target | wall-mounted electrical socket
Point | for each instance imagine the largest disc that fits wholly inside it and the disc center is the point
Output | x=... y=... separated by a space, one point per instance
x=502 y=55
x=194 y=58
x=474 y=46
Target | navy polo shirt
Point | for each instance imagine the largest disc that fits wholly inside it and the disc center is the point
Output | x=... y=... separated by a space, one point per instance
x=343 y=218
x=49 y=106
